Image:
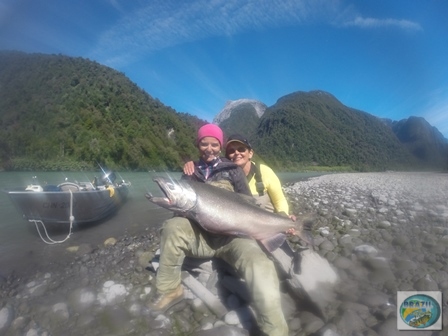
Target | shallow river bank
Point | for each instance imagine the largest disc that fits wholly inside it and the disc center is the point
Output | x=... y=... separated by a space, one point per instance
x=382 y=232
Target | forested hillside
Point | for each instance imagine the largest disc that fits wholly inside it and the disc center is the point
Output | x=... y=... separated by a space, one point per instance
x=314 y=128
x=59 y=112
x=423 y=140
x=65 y=113
x=310 y=129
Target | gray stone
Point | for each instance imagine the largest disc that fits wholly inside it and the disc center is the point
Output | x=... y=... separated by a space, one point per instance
x=326 y=246
x=384 y=224
x=210 y=300
x=404 y=264
x=330 y=256
x=386 y=236
x=346 y=239
x=426 y=283
x=238 y=316
x=350 y=322
x=343 y=263
x=19 y=323
x=144 y=258
x=82 y=299
x=350 y=212
x=381 y=275
x=310 y=322
x=84 y=249
x=366 y=250
x=32 y=332
x=374 y=299
x=294 y=324
x=223 y=331
x=6 y=317
x=361 y=309
x=376 y=263
x=61 y=311
x=354 y=232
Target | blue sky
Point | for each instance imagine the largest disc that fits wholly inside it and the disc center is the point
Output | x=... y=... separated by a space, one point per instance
x=387 y=58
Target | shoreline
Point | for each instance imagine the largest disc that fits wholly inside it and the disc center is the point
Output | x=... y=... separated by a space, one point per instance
x=382 y=232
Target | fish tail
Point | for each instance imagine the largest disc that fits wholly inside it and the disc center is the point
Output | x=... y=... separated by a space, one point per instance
x=272 y=243
x=308 y=224
x=305 y=232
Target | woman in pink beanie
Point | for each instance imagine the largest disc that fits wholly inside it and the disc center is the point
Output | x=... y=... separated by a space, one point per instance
x=209 y=142
x=211 y=130
x=181 y=237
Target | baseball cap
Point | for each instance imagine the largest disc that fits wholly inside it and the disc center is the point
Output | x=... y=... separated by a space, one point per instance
x=239 y=138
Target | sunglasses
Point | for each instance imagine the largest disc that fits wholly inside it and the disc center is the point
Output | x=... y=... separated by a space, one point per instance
x=240 y=149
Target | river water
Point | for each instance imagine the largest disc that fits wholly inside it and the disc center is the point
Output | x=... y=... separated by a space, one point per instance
x=21 y=249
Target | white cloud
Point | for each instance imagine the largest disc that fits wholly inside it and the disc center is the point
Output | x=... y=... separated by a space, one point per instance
x=165 y=23
x=380 y=23
x=159 y=24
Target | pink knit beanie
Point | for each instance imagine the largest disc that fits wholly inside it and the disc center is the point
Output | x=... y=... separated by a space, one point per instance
x=210 y=130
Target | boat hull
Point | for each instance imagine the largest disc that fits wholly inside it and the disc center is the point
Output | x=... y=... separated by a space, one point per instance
x=54 y=206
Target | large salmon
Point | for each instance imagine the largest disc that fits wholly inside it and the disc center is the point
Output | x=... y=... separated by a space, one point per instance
x=228 y=213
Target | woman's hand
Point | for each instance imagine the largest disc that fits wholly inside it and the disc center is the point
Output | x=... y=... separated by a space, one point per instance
x=189 y=168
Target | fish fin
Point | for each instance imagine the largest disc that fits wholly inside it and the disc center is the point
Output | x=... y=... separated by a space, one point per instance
x=308 y=224
x=305 y=232
x=274 y=242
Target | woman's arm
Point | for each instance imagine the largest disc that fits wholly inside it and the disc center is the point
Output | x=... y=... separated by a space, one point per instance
x=275 y=190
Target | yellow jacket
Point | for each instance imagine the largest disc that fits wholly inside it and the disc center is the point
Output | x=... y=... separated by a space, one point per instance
x=272 y=187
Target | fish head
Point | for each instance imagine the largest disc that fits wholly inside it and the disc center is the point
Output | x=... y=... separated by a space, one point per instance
x=179 y=196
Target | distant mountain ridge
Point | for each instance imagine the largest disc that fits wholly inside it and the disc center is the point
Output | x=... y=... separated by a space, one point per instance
x=422 y=139
x=233 y=105
x=317 y=128
x=240 y=116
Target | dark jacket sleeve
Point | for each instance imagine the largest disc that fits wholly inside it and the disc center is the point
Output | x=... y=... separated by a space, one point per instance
x=240 y=182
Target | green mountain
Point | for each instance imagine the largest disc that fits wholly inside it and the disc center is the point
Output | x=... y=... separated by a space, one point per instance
x=64 y=113
x=314 y=128
x=423 y=140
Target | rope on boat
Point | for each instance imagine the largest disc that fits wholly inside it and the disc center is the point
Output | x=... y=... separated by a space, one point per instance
x=48 y=240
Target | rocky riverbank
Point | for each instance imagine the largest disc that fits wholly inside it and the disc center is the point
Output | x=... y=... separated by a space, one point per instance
x=382 y=233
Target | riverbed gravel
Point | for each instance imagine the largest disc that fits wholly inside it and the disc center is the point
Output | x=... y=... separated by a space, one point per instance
x=381 y=232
